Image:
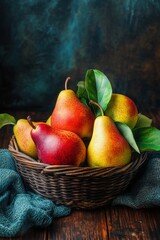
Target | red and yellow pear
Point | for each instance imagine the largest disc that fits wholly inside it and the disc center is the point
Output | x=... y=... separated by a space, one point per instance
x=107 y=147
x=122 y=109
x=56 y=146
x=71 y=114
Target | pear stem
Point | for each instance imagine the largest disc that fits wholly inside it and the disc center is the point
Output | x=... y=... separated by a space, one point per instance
x=30 y=122
x=98 y=105
x=66 y=82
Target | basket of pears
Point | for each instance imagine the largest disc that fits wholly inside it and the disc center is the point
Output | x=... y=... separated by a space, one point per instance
x=89 y=149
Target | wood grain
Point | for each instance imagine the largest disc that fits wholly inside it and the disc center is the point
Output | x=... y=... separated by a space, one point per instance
x=80 y=225
x=126 y=224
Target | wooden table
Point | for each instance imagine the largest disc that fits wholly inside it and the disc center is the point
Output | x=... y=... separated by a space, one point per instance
x=111 y=223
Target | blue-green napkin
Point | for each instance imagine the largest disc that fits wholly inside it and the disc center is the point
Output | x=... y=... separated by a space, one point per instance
x=19 y=208
x=144 y=191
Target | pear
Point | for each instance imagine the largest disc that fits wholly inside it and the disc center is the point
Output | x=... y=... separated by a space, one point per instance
x=71 y=114
x=25 y=143
x=107 y=148
x=122 y=109
x=49 y=120
x=56 y=146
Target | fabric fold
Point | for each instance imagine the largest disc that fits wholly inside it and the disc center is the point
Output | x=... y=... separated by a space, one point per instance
x=21 y=209
x=144 y=190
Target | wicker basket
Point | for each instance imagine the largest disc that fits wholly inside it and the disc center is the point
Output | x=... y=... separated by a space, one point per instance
x=76 y=187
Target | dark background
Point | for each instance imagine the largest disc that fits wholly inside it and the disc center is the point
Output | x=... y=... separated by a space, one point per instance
x=43 y=42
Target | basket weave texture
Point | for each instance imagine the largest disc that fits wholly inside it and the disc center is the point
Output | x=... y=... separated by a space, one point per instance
x=76 y=187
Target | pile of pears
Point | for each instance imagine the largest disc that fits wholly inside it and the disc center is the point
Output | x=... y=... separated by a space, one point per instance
x=74 y=135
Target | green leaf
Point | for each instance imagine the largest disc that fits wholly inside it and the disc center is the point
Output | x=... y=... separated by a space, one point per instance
x=6 y=119
x=98 y=88
x=128 y=135
x=81 y=92
x=147 y=138
x=143 y=121
x=84 y=101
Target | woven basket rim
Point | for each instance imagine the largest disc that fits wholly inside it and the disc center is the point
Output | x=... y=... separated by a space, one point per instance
x=76 y=187
x=73 y=170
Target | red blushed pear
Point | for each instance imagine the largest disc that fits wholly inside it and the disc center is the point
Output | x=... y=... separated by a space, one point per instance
x=107 y=148
x=71 y=114
x=56 y=146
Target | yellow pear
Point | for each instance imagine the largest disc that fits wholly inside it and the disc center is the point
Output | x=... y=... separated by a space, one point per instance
x=107 y=148
x=122 y=109
x=22 y=133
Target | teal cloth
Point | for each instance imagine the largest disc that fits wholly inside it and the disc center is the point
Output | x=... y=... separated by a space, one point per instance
x=21 y=209
x=144 y=191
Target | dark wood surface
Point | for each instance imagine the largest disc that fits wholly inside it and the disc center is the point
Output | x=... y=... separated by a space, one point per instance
x=111 y=223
